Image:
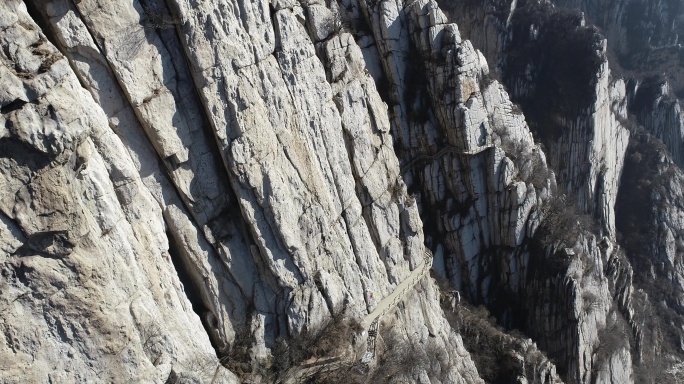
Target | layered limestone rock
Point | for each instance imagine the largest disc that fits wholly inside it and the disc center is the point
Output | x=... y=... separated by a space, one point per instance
x=310 y=161
x=575 y=110
x=632 y=26
x=89 y=289
x=585 y=327
x=244 y=141
x=650 y=189
x=644 y=36
x=484 y=23
x=195 y=182
x=448 y=132
x=483 y=201
x=653 y=237
x=586 y=143
x=660 y=114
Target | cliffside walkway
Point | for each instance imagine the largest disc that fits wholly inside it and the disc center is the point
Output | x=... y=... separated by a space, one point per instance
x=389 y=302
x=442 y=152
x=299 y=373
x=370 y=322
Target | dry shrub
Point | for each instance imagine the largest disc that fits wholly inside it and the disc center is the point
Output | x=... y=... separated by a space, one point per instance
x=531 y=168
x=612 y=338
x=399 y=358
x=237 y=356
x=158 y=18
x=561 y=222
x=494 y=352
x=483 y=339
x=332 y=339
x=591 y=300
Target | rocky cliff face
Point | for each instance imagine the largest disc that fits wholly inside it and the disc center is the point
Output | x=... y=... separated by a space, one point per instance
x=220 y=191
x=89 y=287
x=182 y=176
x=633 y=26
x=539 y=77
x=644 y=40
x=652 y=237
x=660 y=113
x=556 y=67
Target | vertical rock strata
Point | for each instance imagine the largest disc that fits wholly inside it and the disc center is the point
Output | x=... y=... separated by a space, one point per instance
x=556 y=68
x=644 y=36
x=632 y=26
x=89 y=289
x=653 y=233
x=478 y=176
x=449 y=132
x=241 y=144
x=182 y=179
x=660 y=114
x=590 y=132
x=577 y=110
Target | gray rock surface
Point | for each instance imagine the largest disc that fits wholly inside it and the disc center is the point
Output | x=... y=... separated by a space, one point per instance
x=249 y=153
x=660 y=114
x=586 y=145
x=633 y=26
x=89 y=289
x=187 y=185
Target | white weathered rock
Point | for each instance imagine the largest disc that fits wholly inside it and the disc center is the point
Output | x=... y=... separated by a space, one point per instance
x=449 y=132
x=485 y=202
x=662 y=117
x=89 y=290
x=304 y=214
x=244 y=146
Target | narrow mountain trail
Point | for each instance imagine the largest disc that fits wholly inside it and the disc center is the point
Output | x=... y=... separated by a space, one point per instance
x=370 y=323
x=390 y=302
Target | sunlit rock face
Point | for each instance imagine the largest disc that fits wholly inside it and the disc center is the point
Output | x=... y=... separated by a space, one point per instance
x=189 y=186
x=179 y=175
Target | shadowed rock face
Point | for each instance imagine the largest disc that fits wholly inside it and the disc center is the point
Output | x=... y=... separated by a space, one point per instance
x=633 y=26
x=644 y=199
x=190 y=188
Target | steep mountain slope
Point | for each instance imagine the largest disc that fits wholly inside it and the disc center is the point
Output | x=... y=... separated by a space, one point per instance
x=231 y=191
x=490 y=258
x=211 y=135
x=545 y=55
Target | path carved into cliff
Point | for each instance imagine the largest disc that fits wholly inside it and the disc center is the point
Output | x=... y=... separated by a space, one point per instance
x=391 y=300
x=369 y=322
x=442 y=152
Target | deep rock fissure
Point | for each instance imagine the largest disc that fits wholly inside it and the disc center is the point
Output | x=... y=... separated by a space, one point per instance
x=211 y=132
x=13 y=106
x=191 y=289
x=192 y=292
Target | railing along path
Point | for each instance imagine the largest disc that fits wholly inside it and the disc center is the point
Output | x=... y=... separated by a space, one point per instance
x=387 y=304
x=369 y=322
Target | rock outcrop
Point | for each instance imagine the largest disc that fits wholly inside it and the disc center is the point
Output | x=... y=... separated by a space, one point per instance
x=633 y=26
x=493 y=258
x=222 y=191
x=660 y=114
x=89 y=288
x=652 y=242
x=244 y=147
x=556 y=67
